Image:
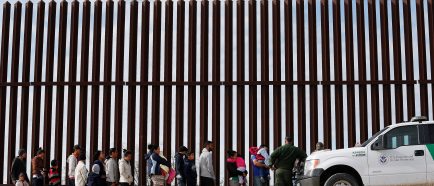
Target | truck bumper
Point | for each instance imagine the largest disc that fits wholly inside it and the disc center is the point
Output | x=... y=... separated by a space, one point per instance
x=312 y=178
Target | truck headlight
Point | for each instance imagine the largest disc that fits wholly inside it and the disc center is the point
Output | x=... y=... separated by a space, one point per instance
x=310 y=165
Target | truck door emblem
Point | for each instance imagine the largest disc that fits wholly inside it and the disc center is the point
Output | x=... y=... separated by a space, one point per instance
x=383 y=160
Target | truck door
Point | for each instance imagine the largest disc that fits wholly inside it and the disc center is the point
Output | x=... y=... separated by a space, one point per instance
x=401 y=162
x=427 y=138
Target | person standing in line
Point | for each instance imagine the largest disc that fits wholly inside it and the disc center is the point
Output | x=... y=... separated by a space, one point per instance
x=283 y=159
x=151 y=149
x=38 y=171
x=236 y=168
x=190 y=169
x=22 y=180
x=126 y=176
x=207 y=176
x=156 y=171
x=179 y=165
x=81 y=172
x=261 y=171
x=94 y=178
x=19 y=166
x=112 y=172
x=72 y=164
x=98 y=159
x=54 y=175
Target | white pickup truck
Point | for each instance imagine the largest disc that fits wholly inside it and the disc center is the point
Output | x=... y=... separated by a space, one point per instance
x=400 y=154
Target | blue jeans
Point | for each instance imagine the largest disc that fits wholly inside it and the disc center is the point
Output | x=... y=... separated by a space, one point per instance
x=257 y=181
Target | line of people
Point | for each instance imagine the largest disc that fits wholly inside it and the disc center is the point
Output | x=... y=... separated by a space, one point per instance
x=109 y=171
x=105 y=171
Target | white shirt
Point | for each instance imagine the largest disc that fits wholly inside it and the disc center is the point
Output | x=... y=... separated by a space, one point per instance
x=81 y=174
x=206 y=167
x=112 y=171
x=125 y=172
x=72 y=164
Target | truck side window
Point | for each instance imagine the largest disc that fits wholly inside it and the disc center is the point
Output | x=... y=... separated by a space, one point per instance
x=426 y=134
x=401 y=136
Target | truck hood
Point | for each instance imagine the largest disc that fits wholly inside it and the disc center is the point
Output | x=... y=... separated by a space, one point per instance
x=348 y=152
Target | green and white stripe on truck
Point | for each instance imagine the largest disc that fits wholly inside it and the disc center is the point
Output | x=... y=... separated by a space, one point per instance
x=430 y=148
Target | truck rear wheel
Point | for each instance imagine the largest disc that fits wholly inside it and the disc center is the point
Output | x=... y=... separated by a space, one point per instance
x=341 y=179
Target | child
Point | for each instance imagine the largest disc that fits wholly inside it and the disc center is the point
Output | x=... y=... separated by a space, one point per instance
x=261 y=155
x=22 y=180
x=54 y=176
x=241 y=166
x=190 y=169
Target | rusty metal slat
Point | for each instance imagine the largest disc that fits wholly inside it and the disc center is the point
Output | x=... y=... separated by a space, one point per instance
x=204 y=71
x=325 y=25
x=168 y=77
x=300 y=76
x=289 y=52
x=374 y=67
x=3 y=70
x=277 y=137
x=386 y=67
x=108 y=55
x=156 y=71
x=265 y=74
x=409 y=57
x=72 y=76
x=422 y=58
x=240 y=76
x=120 y=46
x=350 y=72
x=216 y=89
x=338 y=76
x=431 y=36
x=84 y=69
x=107 y=75
x=60 y=78
x=362 y=70
x=397 y=61
x=131 y=123
x=180 y=74
x=14 y=78
x=38 y=73
x=229 y=11
x=143 y=90
x=252 y=75
x=313 y=92
x=96 y=65
x=49 y=78
x=192 y=73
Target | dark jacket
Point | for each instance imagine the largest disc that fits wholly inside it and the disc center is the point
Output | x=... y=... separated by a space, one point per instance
x=179 y=165
x=285 y=156
x=157 y=160
x=102 y=171
x=190 y=172
x=94 y=180
x=148 y=162
x=18 y=167
x=232 y=170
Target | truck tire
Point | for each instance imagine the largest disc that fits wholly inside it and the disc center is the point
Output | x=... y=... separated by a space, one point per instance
x=341 y=179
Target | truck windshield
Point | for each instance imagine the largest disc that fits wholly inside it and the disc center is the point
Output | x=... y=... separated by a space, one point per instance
x=373 y=137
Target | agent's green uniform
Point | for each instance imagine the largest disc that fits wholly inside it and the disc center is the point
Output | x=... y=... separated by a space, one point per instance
x=283 y=159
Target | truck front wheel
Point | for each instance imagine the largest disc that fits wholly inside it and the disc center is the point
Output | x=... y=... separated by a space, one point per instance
x=341 y=179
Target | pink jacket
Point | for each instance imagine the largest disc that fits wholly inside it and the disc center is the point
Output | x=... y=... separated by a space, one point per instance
x=238 y=161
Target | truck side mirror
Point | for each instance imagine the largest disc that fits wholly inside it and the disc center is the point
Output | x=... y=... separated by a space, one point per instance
x=378 y=144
